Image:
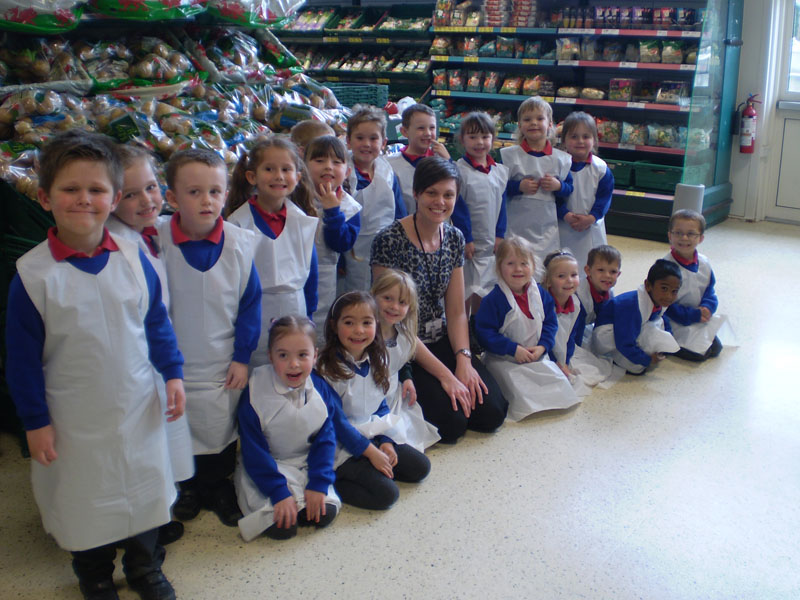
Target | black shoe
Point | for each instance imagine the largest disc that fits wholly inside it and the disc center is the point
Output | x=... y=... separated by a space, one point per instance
x=187 y=507
x=99 y=590
x=715 y=349
x=153 y=586
x=170 y=532
x=324 y=520
x=685 y=354
x=222 y=501
x=280 y=533
x=639 y=374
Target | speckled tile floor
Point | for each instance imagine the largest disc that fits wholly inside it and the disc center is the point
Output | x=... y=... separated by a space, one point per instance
x=681 y=484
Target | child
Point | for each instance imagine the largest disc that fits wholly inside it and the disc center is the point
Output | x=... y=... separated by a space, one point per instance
x=87 y=325
x=481 y=212
x=215 y=306
x=419 y=127
x=354 y=363
x=396 y=295
x=327 y=164
x=517 y=325
x=603 y=268
x=631 y=328
x=538 y=174
x=581 y=224
x=694 y=324
x=304 y=132
x=582 y=368
x=282 y=216
x=375 y=187
x=134 y=219
x=285 y=475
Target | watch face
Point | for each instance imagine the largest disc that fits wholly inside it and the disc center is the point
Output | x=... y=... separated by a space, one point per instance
x=465 y=352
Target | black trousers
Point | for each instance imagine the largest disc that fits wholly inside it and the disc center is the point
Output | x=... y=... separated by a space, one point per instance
x=143 y=555
x=212 y=470
x=360 y=484
x=438 y=408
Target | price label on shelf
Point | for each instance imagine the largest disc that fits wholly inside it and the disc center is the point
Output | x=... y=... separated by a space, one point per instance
x=638 y=105
x=333 y=79
x=626 y=147
x=470 y=59
x=508 y=30
x=485 y=29
x=383 y=41
x=628 y=65
x=331 y=40
x=384 y=80
x=636 y=194
x=568 y=63
x=609 y=32
x=566 y=100
x=662 y=33
x=687 y=68
x=441 y=92
x=530 y=61
x=355 y=40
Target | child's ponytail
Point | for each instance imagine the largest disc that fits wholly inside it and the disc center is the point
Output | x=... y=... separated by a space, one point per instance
x=303 y=194
x=241 y=190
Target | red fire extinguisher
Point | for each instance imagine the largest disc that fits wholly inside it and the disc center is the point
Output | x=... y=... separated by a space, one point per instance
x=747 y=130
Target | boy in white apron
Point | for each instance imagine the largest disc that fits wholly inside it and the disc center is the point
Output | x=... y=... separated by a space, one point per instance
x=603 y=268
x=694 y=322
x=632 y=329
x=87 y=326
x=215 y=307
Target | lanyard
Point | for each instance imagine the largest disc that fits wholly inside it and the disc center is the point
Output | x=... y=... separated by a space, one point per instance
x=432 y=298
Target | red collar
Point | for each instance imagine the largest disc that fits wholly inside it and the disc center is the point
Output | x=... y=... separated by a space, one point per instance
x=60 y=251
x=480 y=168
x=548 y=148
x=655 y=310
x=276 y=218
x=569 y=307
x=363 y=175
x=148 y=233
x=522 y=302
x=683 y=261
x=413 y=157
x=588 y=160
x=597 y=295
x=214 y=236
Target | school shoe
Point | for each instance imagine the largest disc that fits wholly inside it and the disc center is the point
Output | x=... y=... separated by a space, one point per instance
x=221 y=499
x=187 y=507
x=99 y=590
x=330 y=514
x=715 y=349
x=274 y=532
x=153 y=586
x=170 y=532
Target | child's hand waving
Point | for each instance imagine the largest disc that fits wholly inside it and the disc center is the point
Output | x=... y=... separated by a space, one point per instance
x=327 y=196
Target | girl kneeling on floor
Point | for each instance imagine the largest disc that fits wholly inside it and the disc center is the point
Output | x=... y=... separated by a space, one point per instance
x=355 y=363
x=285 y=473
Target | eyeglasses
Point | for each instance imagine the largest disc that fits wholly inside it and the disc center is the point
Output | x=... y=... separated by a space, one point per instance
x=687 y=234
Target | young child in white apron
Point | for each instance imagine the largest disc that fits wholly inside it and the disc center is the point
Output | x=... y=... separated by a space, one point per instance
x=328 y=164
x=88 y=331
x=538 y=174
x=215 y=307
x=631 y=328
x=583 y=369
x=695 y=322
x=396 y=295
x=282 y=216
x=517 y=325
x=284 y=477
x=354 y=362
x=135 y=219
x=581 y=216
x=603 y=268
x=480 y=212
x=375 y=188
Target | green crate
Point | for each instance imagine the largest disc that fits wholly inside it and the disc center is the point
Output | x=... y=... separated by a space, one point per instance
x=658 y=178
x=622 y=171
x=350 y=94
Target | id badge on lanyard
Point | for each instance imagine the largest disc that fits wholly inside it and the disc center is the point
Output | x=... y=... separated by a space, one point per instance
x=434 y=328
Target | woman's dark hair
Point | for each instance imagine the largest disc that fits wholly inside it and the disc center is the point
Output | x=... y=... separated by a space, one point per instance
x=330 y=364
x=433 y=169
x=662 y=269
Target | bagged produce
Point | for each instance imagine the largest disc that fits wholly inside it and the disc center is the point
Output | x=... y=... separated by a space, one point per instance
x=608 y=130
x=634 y=134
x=40 y=16
x=148 y=10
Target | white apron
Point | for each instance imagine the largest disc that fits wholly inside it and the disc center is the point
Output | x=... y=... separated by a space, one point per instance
x=588 y=370
x=377 y=211
x=327 y=260
x=483 y=194
x=529 y=387
x=652 y=337
x=204 y=321
x=112 y=478
x=289 y=419
x=533 y=216
x=405 y=174
x=178 y=436
x=584 y=294
x=283 y=265
x=411 y=428
x=581 y=202
x=698 y=337
x=360 y=399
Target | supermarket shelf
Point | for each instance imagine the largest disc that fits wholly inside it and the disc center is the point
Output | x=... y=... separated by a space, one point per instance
x=638 y=194
x=483 y=29
x=652 y=149
x=631 y=32
x=365 y=37
x=362 y=77
x=482 y=96
x=627 y=105
x=591 y=64
x=491 y=60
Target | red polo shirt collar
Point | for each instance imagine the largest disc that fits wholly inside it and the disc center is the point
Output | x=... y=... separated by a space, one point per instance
x=522 y=302
x=480 y=168
x=148 y=233
x=362 y=173
x=60 y=251
x=597 y=295
x=567 y=308
x=276 y=221
x=548 y=148
x=683 y=261
x=413 y=157
x=180 y=238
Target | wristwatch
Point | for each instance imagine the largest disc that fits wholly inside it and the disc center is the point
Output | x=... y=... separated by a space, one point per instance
x=465 y=352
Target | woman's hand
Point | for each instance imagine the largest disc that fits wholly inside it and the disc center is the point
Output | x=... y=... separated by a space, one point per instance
x=467 y=375
x=315 y=505
x=285 y=514
x=409 y=390
x=379 y=460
